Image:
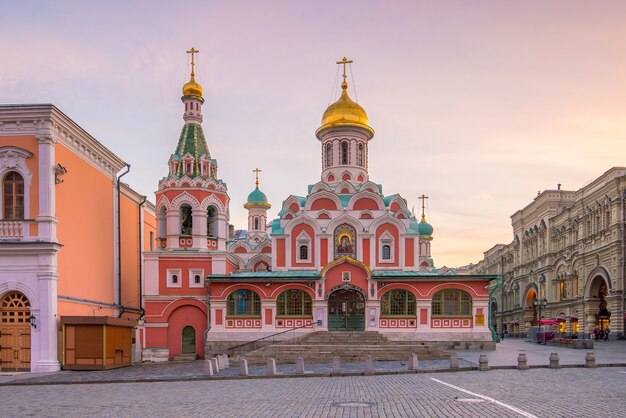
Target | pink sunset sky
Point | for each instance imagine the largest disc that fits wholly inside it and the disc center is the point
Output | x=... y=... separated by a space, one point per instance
x=477 y=104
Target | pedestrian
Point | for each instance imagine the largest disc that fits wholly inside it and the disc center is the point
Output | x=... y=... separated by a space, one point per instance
x=596 y=333
x=606 y=334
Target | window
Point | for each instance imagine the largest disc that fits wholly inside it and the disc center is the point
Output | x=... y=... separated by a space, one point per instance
x=186 y=225
x=304 y=252
x=195 y=278
x=563 y=290
x=385 y=248
x=173 y=278
x=243 y=303
x=294 y=303
x=13 y=196
x=329 y=155
x=344 y=152
x=360 y=156
x=211 y=221
x=256 y=223
x=398 y=302
x=151 y=241
x=452 y=302
x=386 y=252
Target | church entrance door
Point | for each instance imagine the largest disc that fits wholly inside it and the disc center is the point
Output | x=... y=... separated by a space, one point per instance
x=346 y=310
x=189 y=340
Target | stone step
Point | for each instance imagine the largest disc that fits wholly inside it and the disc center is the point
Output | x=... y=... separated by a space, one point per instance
x=185 y=357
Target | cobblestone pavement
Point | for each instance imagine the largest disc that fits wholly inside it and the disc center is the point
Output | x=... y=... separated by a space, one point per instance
x=497 y=393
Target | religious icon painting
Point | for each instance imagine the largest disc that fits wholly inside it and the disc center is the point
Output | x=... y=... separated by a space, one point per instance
x=345 y=241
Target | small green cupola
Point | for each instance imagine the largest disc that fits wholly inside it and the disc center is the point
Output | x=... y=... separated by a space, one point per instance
x=424 y=229
x=257 y=198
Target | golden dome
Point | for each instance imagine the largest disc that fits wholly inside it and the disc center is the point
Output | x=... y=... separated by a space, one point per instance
x=192 y=88
x=345 y=112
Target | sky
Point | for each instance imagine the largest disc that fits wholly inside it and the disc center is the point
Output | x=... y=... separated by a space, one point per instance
x=477 y=104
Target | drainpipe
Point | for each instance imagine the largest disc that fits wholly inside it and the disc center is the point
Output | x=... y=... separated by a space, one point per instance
x=140 y=229
x=119 y=241
x=502 y=293
x=623 y=256
x=208 y=314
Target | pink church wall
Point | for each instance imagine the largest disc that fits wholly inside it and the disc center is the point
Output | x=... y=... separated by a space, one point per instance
x=187 y=315
x=365 y=204
x=358 y=276
x=280 y=252
x=409 y=252
x=324 y=203
x=297 y=230
x=323 y=251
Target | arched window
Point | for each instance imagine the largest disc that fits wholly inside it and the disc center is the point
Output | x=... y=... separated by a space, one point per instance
x=344 y=152
x=14 y=308
x=294 y=303
x=304 y=252
x=360 y=155
x=397 y=302
x=386 y=252
x=13 y=196
x=211 y=221
x=452 y=302
x=329 y=155
x=243 y=302
x=186 y=224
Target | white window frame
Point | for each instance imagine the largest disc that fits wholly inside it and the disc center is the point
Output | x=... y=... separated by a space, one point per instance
x=303 y=239
x=386 y=239
x=170 y=273
x=346 y=276
x=192 y=277
x=14 y=159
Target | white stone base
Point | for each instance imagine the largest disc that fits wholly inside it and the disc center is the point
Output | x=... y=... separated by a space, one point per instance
x=47 y=366
x=155 y=355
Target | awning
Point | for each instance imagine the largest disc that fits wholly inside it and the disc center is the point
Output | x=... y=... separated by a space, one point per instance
x=560 y=318
x=573 y=318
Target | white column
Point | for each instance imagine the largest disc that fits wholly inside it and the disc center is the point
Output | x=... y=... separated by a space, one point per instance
x=173 y=228
x=47 y=323
x=222 y=231
x=199 y=231
x=46 y=218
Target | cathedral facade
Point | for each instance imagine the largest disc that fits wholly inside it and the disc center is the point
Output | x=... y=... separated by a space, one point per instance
x=345 y=256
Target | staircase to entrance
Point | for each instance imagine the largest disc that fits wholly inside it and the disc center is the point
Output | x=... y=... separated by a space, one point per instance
x=322 y=346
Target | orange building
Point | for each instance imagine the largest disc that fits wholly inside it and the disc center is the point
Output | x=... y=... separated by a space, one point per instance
x=71 y=234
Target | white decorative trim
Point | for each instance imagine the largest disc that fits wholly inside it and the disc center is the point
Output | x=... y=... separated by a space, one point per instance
x=303 y=239
x=386 y=239
x=14 y=159
x=170 y=278
x=192 y=278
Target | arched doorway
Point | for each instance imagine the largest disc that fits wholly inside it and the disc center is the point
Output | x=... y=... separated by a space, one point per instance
x=189 y=340
x=14 y=332
x=346 y=309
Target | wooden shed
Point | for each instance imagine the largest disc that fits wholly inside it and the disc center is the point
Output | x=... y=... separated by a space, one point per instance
x=96 y=342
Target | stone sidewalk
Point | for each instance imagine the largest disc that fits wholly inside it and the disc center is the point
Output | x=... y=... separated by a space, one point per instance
x=611 y=353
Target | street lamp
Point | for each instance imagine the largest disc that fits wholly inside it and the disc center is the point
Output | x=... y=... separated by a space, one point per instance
x=540 y=304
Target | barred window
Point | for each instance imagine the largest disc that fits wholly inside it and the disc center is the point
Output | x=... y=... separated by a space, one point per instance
x=397 y=302
x=294 y=303
x=451 y=302
x=386 y=252
x=344 y=152
x=329 y=155
x=243 y=302
x=304 y=252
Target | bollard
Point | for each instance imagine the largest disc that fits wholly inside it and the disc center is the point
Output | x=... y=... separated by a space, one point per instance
x=271 y=367
x=413 y=362
x=522 y=362
x=207 y=367
x=554 y=361
x=243 y=366
x=223 y=361
x=454 y=361
x=590 y=359
x=483 y=363
x=336 y=365
x=369 y=365
x=299 y=365
x=215 y=364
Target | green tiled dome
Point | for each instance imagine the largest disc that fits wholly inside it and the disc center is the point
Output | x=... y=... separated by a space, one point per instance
x=424 y=229
x=257 y=196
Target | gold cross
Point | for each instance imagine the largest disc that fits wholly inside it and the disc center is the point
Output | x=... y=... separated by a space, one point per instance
x=257 y=171
x=344 y=61
x=192 y=51
x=423 y=198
